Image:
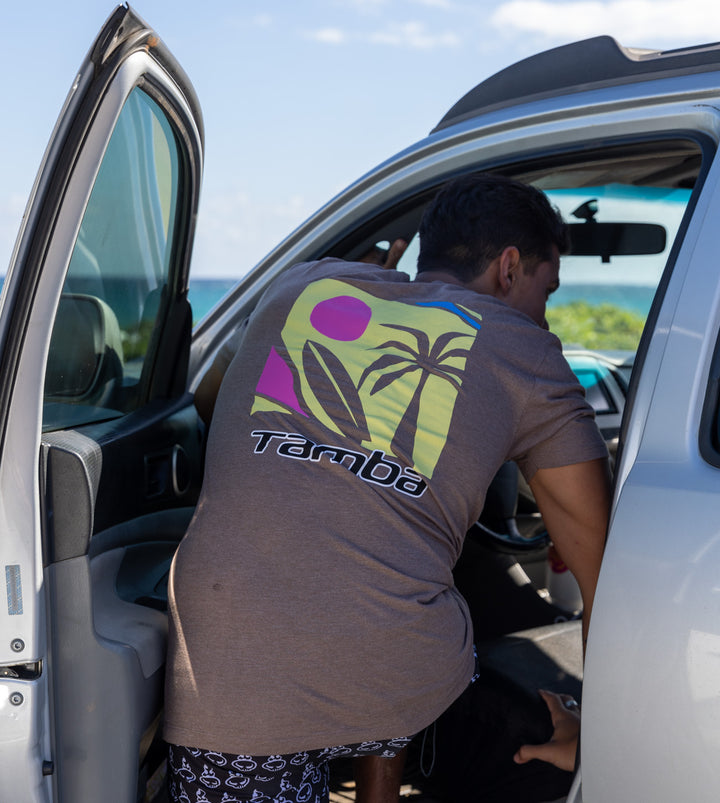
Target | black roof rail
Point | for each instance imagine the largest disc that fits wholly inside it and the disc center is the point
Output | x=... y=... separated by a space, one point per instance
x=589 y=64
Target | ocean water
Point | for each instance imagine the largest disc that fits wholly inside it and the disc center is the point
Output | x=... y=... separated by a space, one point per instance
x=205 y=293
x=635 y=298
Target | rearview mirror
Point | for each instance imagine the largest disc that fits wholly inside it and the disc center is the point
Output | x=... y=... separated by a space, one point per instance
x=616 y=239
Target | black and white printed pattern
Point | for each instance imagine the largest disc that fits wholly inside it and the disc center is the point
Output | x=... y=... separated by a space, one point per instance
x=204 y=776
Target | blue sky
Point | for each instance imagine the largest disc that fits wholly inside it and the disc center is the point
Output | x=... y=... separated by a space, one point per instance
x=301 y=97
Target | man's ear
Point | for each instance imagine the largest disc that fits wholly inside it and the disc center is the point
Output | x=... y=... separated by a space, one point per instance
x=508 y=267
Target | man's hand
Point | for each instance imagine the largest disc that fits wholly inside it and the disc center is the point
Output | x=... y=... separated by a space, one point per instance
x=386 y=258
x=562 y=747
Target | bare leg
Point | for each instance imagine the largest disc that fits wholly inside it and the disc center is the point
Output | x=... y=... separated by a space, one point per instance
x=377 y=779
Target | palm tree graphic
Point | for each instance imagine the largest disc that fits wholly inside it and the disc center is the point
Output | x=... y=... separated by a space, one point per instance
x=429 y=360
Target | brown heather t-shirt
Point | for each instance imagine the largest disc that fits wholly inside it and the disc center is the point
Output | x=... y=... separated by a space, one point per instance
x=312 y=600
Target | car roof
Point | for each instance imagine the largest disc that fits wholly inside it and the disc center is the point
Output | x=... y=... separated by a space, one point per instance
x=590 y=64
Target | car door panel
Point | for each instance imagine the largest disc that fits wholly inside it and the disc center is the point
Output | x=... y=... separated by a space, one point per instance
x=151 y=459
x=110 y=607
x=100 y=459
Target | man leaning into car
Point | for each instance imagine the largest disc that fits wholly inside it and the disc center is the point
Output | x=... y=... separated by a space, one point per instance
x=313 y=610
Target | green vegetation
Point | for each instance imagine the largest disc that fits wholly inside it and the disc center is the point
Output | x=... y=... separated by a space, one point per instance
x=596 y=326
x=136 y=340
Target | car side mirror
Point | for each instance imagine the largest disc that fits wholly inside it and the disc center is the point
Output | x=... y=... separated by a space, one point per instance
x=85 y=350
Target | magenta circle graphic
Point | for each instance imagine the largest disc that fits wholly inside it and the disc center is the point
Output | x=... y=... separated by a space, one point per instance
x=341 y=317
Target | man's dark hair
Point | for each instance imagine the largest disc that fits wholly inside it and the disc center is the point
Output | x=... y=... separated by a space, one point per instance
x=474 y=218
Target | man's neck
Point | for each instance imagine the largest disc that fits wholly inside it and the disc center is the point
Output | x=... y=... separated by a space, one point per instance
x=438 y=276
x=482 y=284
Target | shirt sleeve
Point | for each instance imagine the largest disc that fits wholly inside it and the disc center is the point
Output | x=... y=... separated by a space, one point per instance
x=559 y=427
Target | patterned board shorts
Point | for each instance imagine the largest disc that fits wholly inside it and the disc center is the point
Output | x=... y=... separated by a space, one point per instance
x=203 y=776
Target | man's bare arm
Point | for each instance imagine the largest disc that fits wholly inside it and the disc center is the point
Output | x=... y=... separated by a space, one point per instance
x=575 y=505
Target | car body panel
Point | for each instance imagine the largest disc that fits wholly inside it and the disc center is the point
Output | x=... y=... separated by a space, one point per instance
x=658 y=608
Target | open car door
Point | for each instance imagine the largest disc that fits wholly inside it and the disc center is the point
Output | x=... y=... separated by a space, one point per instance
x=100 y=447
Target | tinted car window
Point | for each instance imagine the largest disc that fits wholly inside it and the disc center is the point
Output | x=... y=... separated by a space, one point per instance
x=120 y=263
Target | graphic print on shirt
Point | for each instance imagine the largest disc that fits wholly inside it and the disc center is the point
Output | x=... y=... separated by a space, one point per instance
x=385 y=374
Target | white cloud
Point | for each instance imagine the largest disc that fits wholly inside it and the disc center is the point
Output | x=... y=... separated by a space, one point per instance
x=409 y=35
x=364 y=5
x=632 y=22
x=446 y=4
x=235 y=231
x=329 y=36
x=414 y=35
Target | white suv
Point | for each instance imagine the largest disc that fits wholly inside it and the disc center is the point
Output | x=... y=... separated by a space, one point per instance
x=101 y=448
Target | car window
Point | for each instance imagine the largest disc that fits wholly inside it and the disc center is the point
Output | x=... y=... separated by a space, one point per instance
x=111 y=297
x=408 y=261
